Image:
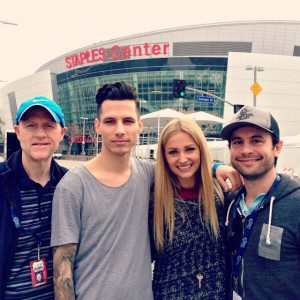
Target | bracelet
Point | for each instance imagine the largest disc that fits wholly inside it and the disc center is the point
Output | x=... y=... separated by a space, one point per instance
x=215 y=166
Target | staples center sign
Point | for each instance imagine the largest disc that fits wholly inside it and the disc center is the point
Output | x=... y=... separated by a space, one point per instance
x=116 y=53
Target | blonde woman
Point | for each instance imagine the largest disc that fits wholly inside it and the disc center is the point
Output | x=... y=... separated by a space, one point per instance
x=188 y=217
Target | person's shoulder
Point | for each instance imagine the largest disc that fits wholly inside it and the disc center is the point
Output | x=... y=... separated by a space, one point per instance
x=5 y=170
x=288 y=185
x=144 y=163
x=287 y=179
x=58 y=170
x=3 y=167
x=63 y=169
x=287 y=195
x=145 y=167
x=73 y=178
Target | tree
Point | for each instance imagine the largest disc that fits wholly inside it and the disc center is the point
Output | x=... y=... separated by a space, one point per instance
x=73 y=132
x=91 y=132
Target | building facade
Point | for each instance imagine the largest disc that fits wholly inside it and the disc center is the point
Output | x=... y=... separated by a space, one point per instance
x=208 y=57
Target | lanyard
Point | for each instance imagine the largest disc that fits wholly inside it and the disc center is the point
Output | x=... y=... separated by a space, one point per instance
x=37 y=235
x=247 y=232
x=16 y=220
x=19 y=226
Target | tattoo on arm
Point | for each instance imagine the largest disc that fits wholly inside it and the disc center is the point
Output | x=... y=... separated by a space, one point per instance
x=63 y=267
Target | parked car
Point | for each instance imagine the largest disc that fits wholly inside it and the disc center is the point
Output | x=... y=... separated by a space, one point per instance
x=57 y=155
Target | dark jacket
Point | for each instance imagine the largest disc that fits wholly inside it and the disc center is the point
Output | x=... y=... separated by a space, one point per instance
x=265 y=276
x=8 y=232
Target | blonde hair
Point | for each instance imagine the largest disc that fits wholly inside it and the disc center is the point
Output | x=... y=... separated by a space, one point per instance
x=166 y=183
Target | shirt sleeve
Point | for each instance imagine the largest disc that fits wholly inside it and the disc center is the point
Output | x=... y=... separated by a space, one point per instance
x=66 y=213
x=151 y=224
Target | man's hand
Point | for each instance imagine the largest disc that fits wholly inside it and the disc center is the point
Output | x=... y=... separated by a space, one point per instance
x=226 y=172
x=63 y=266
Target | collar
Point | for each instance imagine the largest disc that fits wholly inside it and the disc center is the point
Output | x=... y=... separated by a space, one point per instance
x=258 y=201
x=12 y=169
x=8 y=169
x=192 y=193
x=246 y=211
x=26 y=182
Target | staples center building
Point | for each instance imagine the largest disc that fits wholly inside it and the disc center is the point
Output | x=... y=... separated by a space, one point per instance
x=217 y=58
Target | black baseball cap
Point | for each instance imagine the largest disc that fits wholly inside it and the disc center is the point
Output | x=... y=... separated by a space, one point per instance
x=251 y=116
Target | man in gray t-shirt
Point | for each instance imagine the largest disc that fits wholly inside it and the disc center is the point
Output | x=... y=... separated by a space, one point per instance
x=100 y=211
x=113 y=255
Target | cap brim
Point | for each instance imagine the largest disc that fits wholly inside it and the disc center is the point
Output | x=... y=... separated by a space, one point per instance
x=54 y=116
x=227 y=130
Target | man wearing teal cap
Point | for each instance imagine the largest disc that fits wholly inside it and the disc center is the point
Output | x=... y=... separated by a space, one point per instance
x=41 y=101
x=27 y=183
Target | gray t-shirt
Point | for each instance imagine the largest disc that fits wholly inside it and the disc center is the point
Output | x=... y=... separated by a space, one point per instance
x=110 y=226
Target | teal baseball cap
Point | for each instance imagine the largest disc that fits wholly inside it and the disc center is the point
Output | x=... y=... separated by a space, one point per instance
x=53 y=108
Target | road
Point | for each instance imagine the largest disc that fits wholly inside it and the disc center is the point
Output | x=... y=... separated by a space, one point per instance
x=69 y=164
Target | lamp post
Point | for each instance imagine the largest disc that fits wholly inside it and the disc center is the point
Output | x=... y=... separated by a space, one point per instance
x=140 y=136
x=83 y=135
x=142 y=101
x=8 y=23
x=255 y=70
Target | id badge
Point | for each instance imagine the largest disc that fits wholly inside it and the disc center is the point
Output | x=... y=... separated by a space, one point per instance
x=38 y=272
x=271 y=251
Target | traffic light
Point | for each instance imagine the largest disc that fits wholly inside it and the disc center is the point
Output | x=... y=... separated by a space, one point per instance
x=237 y=107
x=179 y=88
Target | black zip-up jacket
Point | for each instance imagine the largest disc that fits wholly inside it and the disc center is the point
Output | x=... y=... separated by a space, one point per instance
x=274 y=277
x=8 y=232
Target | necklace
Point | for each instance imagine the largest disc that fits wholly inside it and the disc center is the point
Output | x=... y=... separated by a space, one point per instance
x=198 y=256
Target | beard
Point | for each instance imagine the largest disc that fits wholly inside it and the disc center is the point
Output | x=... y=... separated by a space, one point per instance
x=255 y=173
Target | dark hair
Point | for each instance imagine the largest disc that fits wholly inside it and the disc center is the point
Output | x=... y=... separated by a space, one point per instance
x=275 y=141
x=120 y=90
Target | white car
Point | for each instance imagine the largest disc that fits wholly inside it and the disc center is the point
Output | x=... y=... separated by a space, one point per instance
x=57 y=155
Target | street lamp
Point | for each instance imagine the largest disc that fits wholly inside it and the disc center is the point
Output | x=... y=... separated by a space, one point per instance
x=8 y=23
x=83 y=135
x=142 y=101
x=255 y=70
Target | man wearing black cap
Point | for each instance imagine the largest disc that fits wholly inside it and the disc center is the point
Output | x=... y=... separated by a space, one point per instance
x=263 y=218
x=27 y=183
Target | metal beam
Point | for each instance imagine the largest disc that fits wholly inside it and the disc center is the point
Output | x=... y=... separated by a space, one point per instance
x=209 y=94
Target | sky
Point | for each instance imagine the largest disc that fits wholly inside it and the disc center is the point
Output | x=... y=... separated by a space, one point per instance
x=47 y=29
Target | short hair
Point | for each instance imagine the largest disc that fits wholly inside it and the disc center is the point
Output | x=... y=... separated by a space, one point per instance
x=275 y=141
x=120 y=90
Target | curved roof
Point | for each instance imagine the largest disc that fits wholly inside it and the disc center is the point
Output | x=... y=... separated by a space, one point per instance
x=222 y=31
